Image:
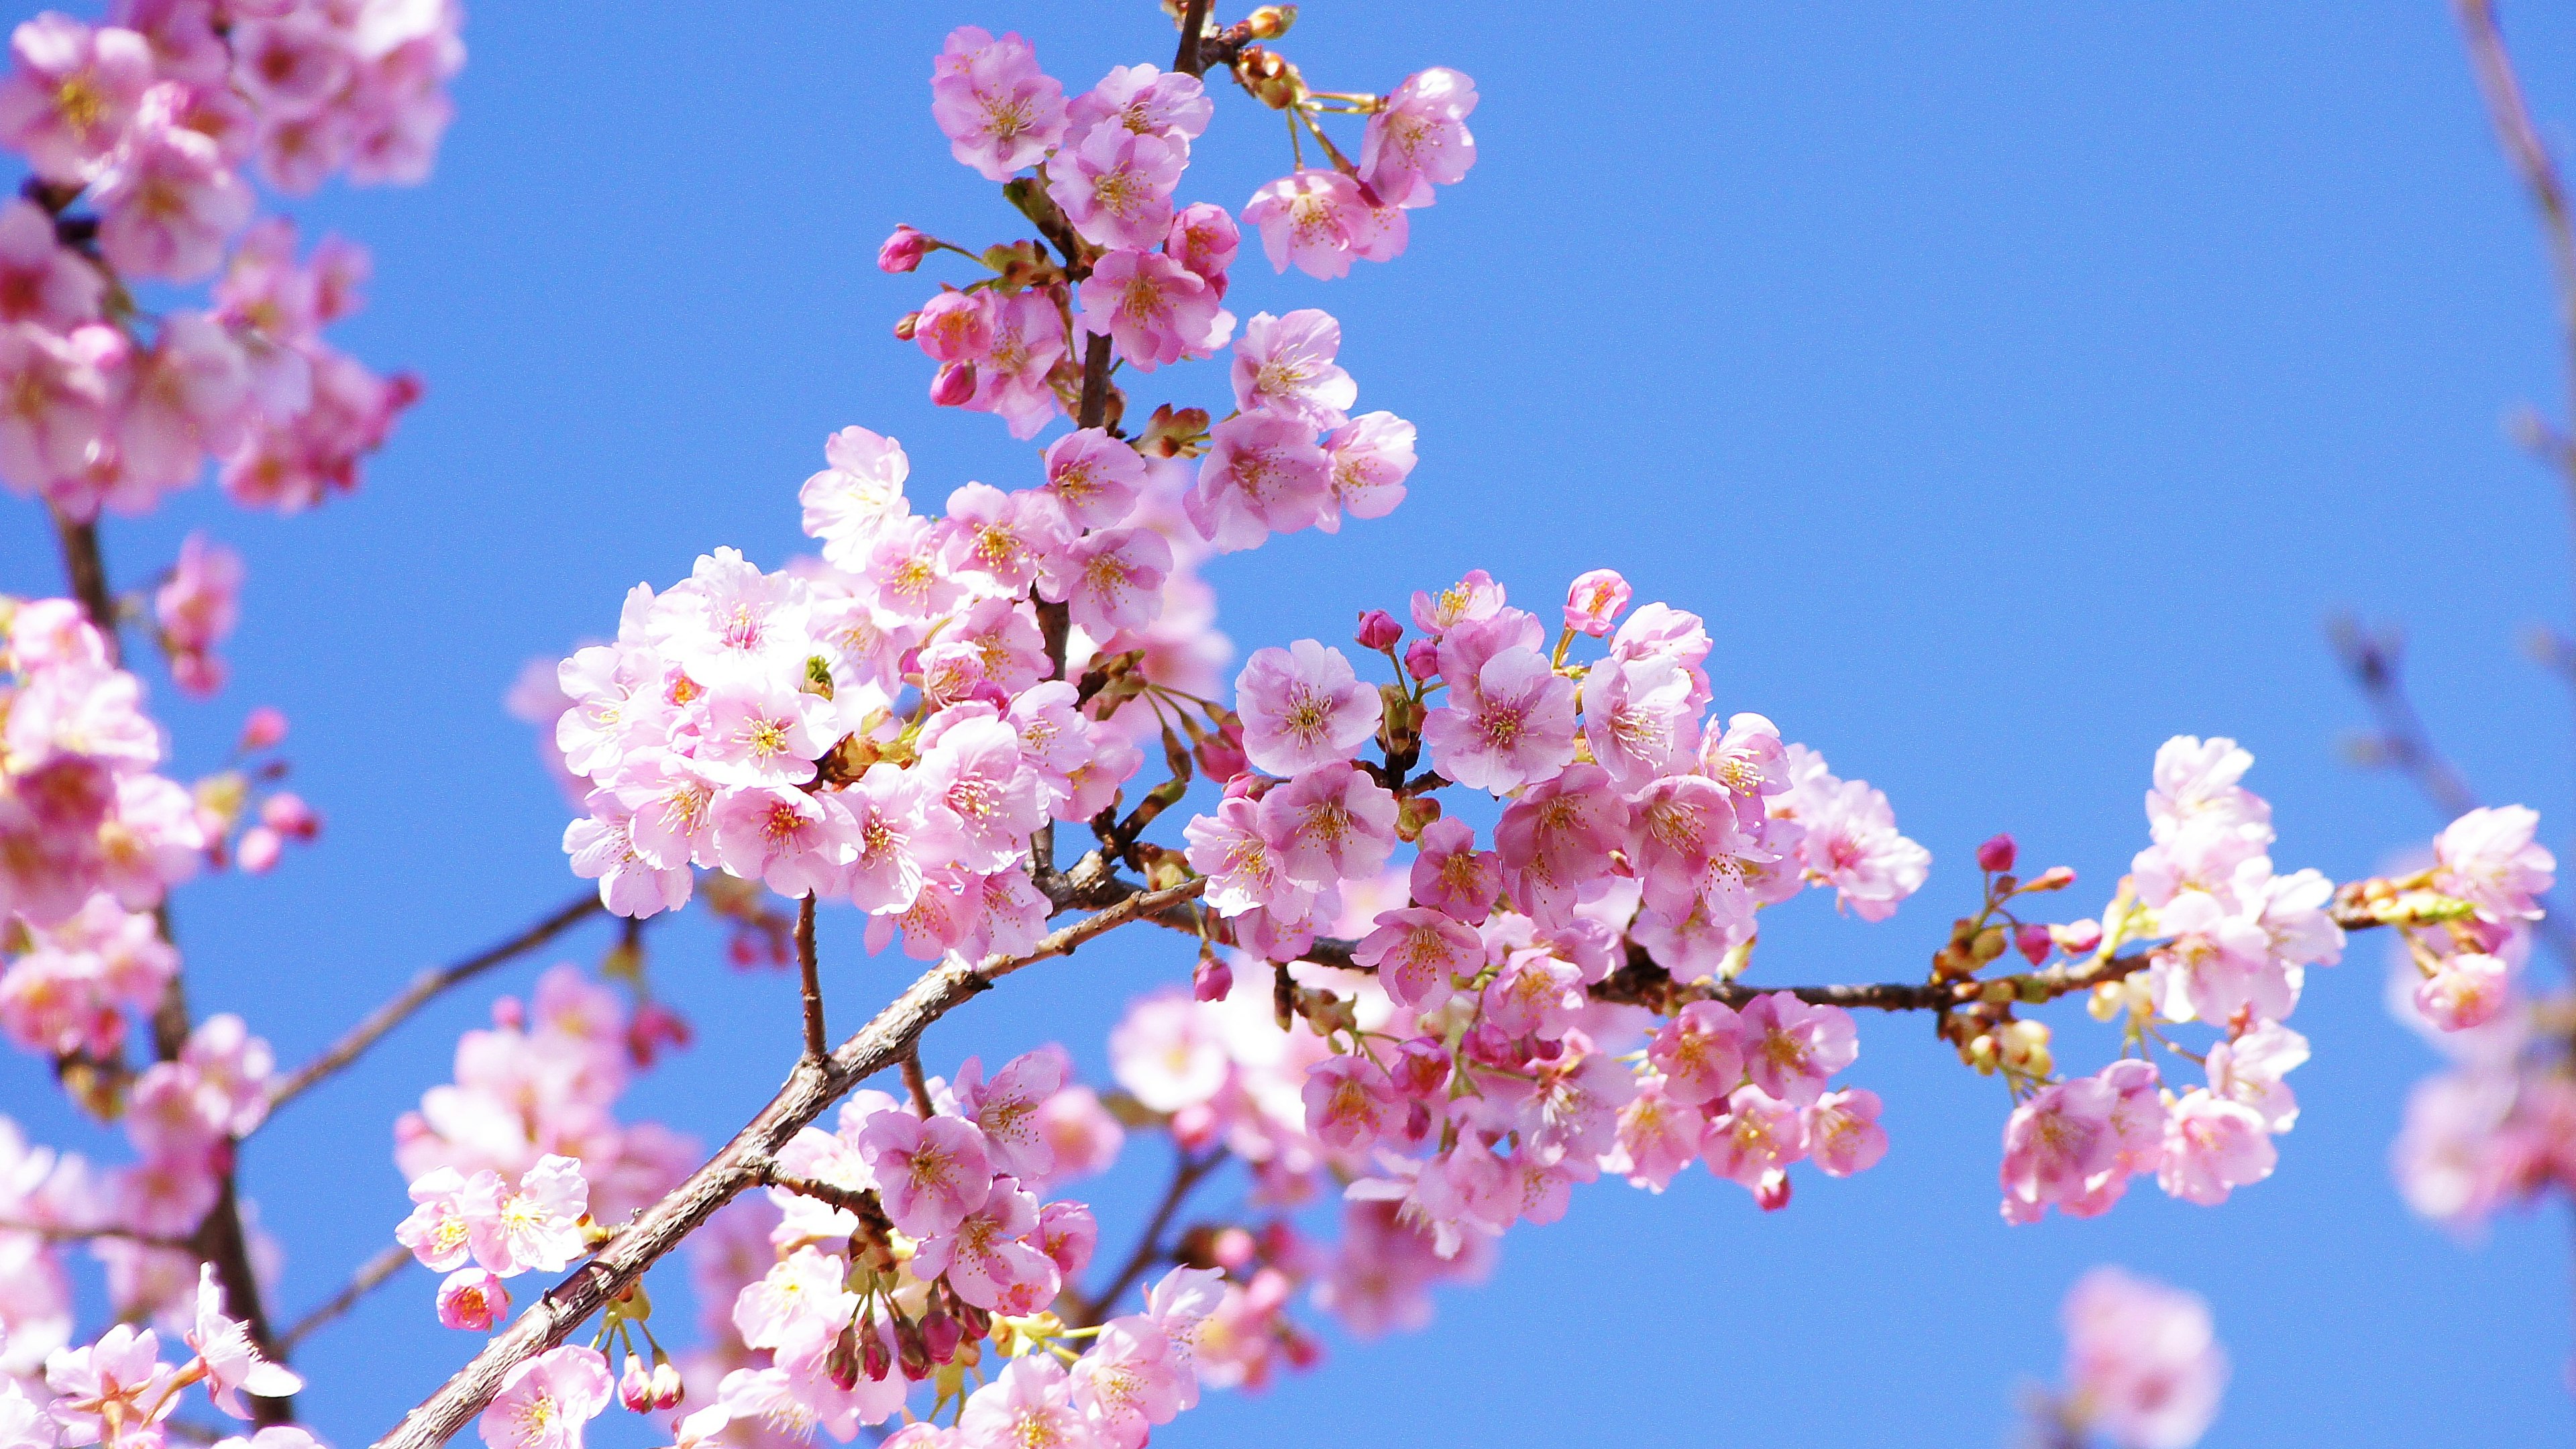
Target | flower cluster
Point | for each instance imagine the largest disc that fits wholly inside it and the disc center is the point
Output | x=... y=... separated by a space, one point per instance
x=2143 y=1365
x=117 y=1392
x=150 y=120
x=82 y=812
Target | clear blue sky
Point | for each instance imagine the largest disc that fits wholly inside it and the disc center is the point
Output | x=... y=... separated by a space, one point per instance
x=2012 y=388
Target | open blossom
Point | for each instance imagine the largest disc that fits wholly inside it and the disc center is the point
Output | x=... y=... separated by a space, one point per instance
x=1350 y=1102
x=1331 y=823
x=533 y=1225
x=1319 y=221
x=1367 y=460
x=1143 y=101
x=1284 y=365
x=2213 y=1145
x=1007 y=1109
x=1111 y=579
x=1095 y=478
x=1129 y=1381
x=1028 y=1405
x=233 y=1363
x=1754 y=1136
x=167 y=202
x=1303 y=706
x=1510 y=724
x=2465 y=990
x=1420 y=138
x=1791 y=1047
x=1243 y=867
x=2143 y=1366
x=545 y=1402
x=987 y=1259
x=73 y=92
x=1700 y=1052
x=931 y=1173
x=1451 y=875
x=998 y=110
x=473 y=1299
x=2489 y=859
x=846 y=503
x=1843 y=1135
x=1154 y=309
x=1115 y=186
x=1263 y=474
x=119 y=1378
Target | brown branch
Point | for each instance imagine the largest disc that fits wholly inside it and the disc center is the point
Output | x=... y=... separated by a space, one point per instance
x=1187 y=1174
x=917 y=1084
x=1194 y=18
x=815 y=1041
x=371 y=1275
x=2514 y=128
x=54 y=1234
x=810 y=1090
x=424 y=988
x=86 y=567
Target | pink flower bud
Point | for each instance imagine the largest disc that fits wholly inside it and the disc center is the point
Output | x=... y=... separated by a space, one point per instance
x=954 y=385
x=1378 y=630
x=655 y=1026
x=510 y=1014
x=2055 y=878
x=874 y=1360
x=1422 y=659
x=472 y=1299
x=1233 y=1249
x=2035 y=943
x=668 y=1391
x=1772 y=1193
x=1996 y=854
x=941 y=1335
x=1213 y=980
x=258 y=849
x=906 y=325
x=1220 y=755
x=263 y=729
x=2082 y=938
x=1594 y=600
x=635 y=1387
x=902 y=251
x=289 y=816
x=1421 y=1068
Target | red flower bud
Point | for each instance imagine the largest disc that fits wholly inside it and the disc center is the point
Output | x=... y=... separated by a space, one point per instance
x=2035 y=943
x=902 y=251
x=954 y=385
x=1378 y=630
x=1996 y=854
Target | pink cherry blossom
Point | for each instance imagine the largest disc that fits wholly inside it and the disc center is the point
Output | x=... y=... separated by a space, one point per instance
x=2055 y=1144
x=845 y=504
x=120 y=1379
x=2464 y=990
x=1420 y=137
x=472 y=1299
x=1420 y=955
x=1263 y=474
x=1111 y=579
x=233 y=1363
x=999 y=112
x=1167 y=1053
x=1594 y=600
x=1284 y=365
x=1700 y=1053
x=2213 y=1145
x=1320 y=221
x=1350 y=1102
x=1756 y=1135
x=930 y=1173
x=1331 y=823
x=800 y=1290
x=1659 y=1135
x=544 y=1402
x=2488 y=858
x=167 y=203
x=42 y=280
x=1368 y=459
x=1007 y=1109
x=1095 y=478
x=1204 y=239
x=1509 y=724
x=1451 y=875
x=533 y=1225
x=982 y=791
x=1143 y=101
x=1791 y=1047
x=437 y=1230
x=1244 y=869
x=1129 y=1381
x=52 y=404
x=1154 y=309
x=2143 y=1366
x=1303 y=706
x=72 y=95
x=1843 y=1133
x=1115 y=185
x=1028 y=1405
x=986 y=1258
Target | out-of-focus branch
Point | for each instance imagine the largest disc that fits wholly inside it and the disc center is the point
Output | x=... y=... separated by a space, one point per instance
x=371 y=1275
x=55 y=1234
x=84 y=565
x=2537 y=168
x=810 y=1089
x=1187 y=1174
x=426 y=987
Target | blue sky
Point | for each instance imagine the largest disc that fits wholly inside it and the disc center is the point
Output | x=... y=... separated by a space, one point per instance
x=2011 y=389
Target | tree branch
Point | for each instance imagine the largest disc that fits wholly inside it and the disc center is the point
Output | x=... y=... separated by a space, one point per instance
x=371 y=1275
x=424 y=988
x=1187 y=1174
x=815 y=1041
x=809 y=1091
x=86 y=567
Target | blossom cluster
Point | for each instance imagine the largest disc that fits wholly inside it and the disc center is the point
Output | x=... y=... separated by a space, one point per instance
x=149 y=120
x=2231 y=941
x=118 y=1392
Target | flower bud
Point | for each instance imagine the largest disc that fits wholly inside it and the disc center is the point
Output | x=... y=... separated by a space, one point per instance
x=473 y=1299
x=258 y=849
x=1422 y=660
x=635 y=1387
x=1421 y=1068
x=1220 y=754
x=909 y=1348
x=668 y=1391
x=2079 y=938
x=1772 y=1193
x=902 y=251
x=954 y=385
x=1594 y=600
x=1413 y=815
x=873 y=1358
x=2034 y=943
x=1271 y=78
x=2024 y=1047
x=1981 y=1053
x=1988 y=945
x=1996 y=854
x=289 y=816
x=1269 y=22
x=1378 y=630
x=841 y=1364
x=1213 y=980
x=940 y=1334
x=905 y=325
x=1232 y=1249
x=2055 y=878
x=263 y=729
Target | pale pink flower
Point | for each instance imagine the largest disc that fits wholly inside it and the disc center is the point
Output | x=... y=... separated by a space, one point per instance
x=1331 y=823
x=2213 y=1145
x=982 y=791
x=121 y=1376
x=1659 y=1135
x=1095 y=478
x=1420 y=955
x=891 y=837
x=2055 y=1143
x=1368 y=459
x=1556 y=840
x=1007 y=1108
x=602 y=848
x=1002 y=539
x=1204 y=239
x=1167 y=1053
x=534 y=1225
x=1595 y=600
x=1420 y=137
x=167 y=203
x=804 y=1288
x=1319 y=220
x=73 y=93
x=762 y=732
x=233 y=1363
x=1509 y=724
x=52 y=406
x=1263 y=474
x=1691 y=849
x=472 y=1299
x=1791 y=1046
x=1111 y=579
x=1843 y=1134
x=846 y=503
x=999 y=112
x=1082 y=1136
x=1129 y=1381
x=1153 y=308
x=544 y=1402
x=796 y=843
x=1472 y=599
x=1143 y=101
x=1451 y=875
x=1350 y=1102
x=1284 y=365
x=2488 y=858
x=42 y=280
x=1700 y=1053
x=1851 y=842
x=2196 y=788
x=931 y=1174
x=1243 y=868
x=437 y=1230
x=986 y=1258
x=1303 y=706
x=2465 y=990
x=2143 y=1366
x=1028 y=1405
x=2218 y=962
x=189 y=396
x=2250 y=1068
x=1755 y=1136
x=1639 y=719
x=1115 y=185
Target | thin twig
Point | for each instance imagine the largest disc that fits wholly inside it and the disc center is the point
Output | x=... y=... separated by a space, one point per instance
x=917 y=1084
x=86 y=567
x=53 y=1234
x=371 y=1275
x=815 y=1042
x=427 y=986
